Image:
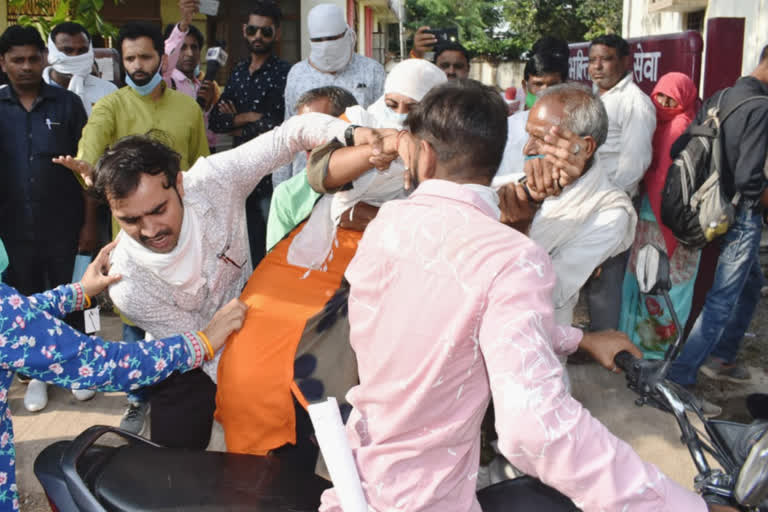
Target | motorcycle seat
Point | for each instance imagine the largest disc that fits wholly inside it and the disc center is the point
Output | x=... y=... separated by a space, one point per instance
x=146 y=478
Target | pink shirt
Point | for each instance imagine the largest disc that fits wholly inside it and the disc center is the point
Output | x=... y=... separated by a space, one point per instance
x=449 y=307
x=178 y=80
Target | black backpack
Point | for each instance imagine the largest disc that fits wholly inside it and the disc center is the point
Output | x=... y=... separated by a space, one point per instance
x=693 y=205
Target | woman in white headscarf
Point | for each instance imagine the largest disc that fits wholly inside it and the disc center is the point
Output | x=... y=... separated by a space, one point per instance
x=291 y=344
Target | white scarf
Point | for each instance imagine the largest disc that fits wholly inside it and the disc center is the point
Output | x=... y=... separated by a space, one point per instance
x=560 y=217
x=79 y=66
x=183 y=266
x=333 y=56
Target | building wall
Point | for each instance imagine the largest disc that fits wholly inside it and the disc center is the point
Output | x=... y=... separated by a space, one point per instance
x=637 y=22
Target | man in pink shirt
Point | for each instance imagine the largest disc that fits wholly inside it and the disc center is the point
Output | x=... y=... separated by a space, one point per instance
x=448 y=308
x=183 y=44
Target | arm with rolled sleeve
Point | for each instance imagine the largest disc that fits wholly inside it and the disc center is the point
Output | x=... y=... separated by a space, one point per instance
x=240 y=169
x=638 y=122
x=542 y=429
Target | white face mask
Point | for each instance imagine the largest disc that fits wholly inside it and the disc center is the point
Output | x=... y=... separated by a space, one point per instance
x=332 y=56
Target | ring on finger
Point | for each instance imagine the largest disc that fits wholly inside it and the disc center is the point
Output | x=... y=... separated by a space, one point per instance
x=576 y=148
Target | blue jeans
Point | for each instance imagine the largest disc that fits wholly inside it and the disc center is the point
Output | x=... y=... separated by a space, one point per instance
x=133 y=334
x=730 y=303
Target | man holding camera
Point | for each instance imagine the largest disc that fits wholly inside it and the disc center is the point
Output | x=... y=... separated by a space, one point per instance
x=449 y=55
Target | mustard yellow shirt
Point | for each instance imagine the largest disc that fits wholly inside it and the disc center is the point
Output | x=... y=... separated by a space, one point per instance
x=125 y=112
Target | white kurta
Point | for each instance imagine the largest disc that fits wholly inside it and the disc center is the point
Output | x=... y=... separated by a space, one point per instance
x=627 y=152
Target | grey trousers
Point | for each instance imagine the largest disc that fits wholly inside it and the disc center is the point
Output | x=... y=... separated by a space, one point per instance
x=604 y=293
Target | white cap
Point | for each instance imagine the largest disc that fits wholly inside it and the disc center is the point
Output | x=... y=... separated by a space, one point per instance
x=414 y=78
x=326 y=20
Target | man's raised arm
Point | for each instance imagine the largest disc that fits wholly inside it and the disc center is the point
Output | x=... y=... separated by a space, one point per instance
x=240 y=169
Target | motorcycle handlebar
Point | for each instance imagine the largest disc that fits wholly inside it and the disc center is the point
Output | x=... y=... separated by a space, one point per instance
x=624 y=360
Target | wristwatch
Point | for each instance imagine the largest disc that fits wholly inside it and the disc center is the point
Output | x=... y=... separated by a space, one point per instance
x=349 y=135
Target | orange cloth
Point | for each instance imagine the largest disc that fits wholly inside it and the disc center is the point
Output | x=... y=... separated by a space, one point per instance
x=255 y=376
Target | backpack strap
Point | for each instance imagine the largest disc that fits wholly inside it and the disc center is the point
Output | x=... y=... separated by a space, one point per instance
x=736 y=106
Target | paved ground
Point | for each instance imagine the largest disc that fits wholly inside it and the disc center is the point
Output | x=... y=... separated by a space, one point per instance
x=652 y=433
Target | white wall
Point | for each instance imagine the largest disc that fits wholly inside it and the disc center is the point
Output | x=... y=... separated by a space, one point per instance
x=755 y=13
x=637 y=22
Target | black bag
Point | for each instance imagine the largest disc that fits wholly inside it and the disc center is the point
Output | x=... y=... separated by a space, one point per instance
x=693 y=205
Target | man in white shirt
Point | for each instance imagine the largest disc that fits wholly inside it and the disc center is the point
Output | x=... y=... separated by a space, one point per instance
x=183 y=247
x=625 y=156
x=70 y=59
x=332 y=61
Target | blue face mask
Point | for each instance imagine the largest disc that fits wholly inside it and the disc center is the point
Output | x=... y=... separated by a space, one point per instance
x=147 y=88
x=3 y=260
x=395 y=118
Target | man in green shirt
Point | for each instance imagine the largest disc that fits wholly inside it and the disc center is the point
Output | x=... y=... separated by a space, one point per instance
x=144 y=106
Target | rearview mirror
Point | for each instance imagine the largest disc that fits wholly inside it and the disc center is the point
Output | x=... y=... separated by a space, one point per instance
x=752 y=484
x=652 y=270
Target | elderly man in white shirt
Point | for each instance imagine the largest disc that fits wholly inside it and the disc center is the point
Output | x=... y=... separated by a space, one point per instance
x=625 y=156
x=591 y=219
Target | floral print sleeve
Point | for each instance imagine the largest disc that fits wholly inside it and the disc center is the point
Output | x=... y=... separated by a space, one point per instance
x=37 y=343
x=58 y=302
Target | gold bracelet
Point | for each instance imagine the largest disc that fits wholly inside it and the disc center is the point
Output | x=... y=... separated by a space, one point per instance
x=87 y=300
x=208 y=347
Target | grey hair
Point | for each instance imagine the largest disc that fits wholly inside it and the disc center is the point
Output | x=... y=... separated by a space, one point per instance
x=585 y=112
x=339 y=98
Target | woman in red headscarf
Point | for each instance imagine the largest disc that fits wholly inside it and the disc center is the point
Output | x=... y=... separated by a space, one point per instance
x=650 y=327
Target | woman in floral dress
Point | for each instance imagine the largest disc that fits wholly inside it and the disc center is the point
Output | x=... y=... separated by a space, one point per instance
x=34 y=341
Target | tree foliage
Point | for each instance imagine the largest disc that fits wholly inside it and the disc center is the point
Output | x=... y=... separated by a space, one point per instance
x=506 y=28
x=84 y=12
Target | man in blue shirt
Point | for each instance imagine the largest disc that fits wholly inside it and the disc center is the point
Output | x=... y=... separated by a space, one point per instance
x=41 y=203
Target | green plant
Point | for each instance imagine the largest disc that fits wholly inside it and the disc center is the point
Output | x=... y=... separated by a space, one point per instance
x=85 y=12
x=503 y=29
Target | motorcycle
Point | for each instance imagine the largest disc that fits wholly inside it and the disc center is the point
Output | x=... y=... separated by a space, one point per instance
x=137 y=475
x=740 y=450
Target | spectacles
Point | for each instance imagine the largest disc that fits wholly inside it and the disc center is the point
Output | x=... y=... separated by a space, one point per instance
x=252 y=30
